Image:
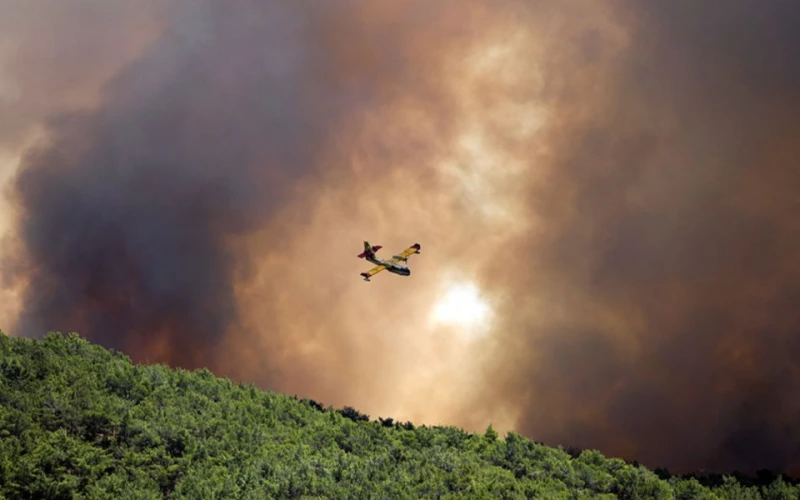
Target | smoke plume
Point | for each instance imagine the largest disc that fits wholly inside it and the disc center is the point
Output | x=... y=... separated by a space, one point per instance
x=618 y=180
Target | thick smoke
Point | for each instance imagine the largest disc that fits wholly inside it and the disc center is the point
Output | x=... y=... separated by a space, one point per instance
x=127 y=212
x=659 y=318
x=132 y=214
x=620 y=179
x=55 y=58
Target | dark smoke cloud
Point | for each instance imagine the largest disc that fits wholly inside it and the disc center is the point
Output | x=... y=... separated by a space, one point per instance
x=131 y=215
x=126 y=212
x=663 y=321
x=641 y=247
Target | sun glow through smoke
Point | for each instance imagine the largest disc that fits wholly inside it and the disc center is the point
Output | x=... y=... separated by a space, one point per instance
x=463 y=306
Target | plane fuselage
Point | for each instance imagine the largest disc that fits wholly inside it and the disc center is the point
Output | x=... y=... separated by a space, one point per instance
x=390 y=266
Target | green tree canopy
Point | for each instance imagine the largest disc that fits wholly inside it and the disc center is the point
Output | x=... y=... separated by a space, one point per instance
x=81 y=421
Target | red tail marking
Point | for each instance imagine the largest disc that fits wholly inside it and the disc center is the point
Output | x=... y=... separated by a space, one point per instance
x=371 y=251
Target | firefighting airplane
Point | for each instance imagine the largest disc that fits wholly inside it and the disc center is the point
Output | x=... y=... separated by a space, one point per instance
x=392 y=265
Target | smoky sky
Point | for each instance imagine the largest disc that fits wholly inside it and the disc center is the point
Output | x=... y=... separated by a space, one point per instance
x=659 y=318
x=127 y=212
x=621 y=179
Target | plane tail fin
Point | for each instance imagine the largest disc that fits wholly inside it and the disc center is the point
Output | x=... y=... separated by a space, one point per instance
x=369 y=250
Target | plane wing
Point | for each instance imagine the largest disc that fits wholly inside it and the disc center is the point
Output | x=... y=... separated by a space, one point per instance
x=372 y=272
x=415 y=248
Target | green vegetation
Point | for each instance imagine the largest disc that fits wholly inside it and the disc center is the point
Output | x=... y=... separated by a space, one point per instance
x=80 y=421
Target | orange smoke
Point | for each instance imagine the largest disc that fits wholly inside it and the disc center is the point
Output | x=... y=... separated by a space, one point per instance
x=610 y=179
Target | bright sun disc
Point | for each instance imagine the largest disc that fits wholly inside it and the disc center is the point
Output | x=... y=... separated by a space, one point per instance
x=461 y=305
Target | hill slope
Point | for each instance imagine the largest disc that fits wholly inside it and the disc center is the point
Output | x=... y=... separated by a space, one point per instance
x=79 y=421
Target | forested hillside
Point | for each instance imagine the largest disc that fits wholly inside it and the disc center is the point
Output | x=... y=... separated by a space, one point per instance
x=79 y=421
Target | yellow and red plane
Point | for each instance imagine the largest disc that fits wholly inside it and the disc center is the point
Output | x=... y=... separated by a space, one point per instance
x=392 y=265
